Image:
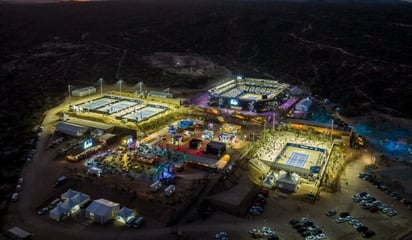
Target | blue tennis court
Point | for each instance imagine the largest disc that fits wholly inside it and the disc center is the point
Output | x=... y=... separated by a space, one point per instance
x=93 y=105
x=144 y=113
x=297 y=159
x=112 y=108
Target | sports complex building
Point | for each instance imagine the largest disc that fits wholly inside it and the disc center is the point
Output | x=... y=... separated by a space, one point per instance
x=128 y=109
x=248 y=94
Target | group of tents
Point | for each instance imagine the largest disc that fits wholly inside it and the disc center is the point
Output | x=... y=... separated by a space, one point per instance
x=100 y=210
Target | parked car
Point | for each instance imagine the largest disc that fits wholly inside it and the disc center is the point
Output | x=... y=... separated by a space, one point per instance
x=43 y=211
x=331 y=213
x=130 y=222
x=222 y=235
x=138 y=222
x=264 y=192
x=340 y=220
x=14 y=197
x=20 y=181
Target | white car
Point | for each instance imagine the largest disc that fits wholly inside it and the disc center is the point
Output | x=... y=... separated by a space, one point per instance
x=43 y=211
x=264 y=229
x=14 y=197
x=348 y=218
x=356 y=225
x=222 y=235
x=321 y=236
x=310 y=237
x=340 y=220
x=268 y=233
x=20 y=181
x=392 y=213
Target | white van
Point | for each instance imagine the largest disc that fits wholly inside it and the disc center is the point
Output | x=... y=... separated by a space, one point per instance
x=15 y=197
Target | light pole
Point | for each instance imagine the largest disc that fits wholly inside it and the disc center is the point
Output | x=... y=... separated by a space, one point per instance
x=264 y=131
x=331 y=133
x=120 y=82
x=69 y=93
x=101 y=86
x=273 y=121
x=140 y=84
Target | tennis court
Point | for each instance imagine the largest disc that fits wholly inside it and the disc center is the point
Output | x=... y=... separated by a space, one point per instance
x=297 y=159
x=95 y=104
x=144 y=113
x=300 y=158
x=250 y=96
x=116 y=107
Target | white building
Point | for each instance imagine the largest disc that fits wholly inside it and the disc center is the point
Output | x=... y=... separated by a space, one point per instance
x=87 y=91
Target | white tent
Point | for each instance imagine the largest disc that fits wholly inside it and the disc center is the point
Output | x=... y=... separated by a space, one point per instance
x=288 y=182
x=69 y=194
x=57 y=213
x=73 y=200
x=81 y=198
x=125 y=214
x=68 y=205
x=268 y=183
x=272 y=175
x=102 y=210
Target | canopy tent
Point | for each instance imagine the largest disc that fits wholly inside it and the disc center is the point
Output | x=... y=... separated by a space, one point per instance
x=68 y=205
x=268 y=183
x=69 y=194
x=80 y=198
x=124 y=214
x=102 y=210
x=57 y=213
x=288 y=181
x=73 y=200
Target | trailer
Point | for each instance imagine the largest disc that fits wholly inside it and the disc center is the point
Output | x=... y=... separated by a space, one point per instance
x=155 y=186
x=18 y=234
x=170 y=190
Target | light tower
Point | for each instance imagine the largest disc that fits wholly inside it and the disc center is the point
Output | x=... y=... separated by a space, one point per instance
x=101 y=86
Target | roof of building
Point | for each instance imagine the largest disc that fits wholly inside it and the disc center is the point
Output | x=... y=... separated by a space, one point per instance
x=75 y=197
x=68 y=204
x=70 y=128
x=58 y=210
x=125 y=212
x=91 y=124
x=85 y=89
x=101 y=206
x=19 y=232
